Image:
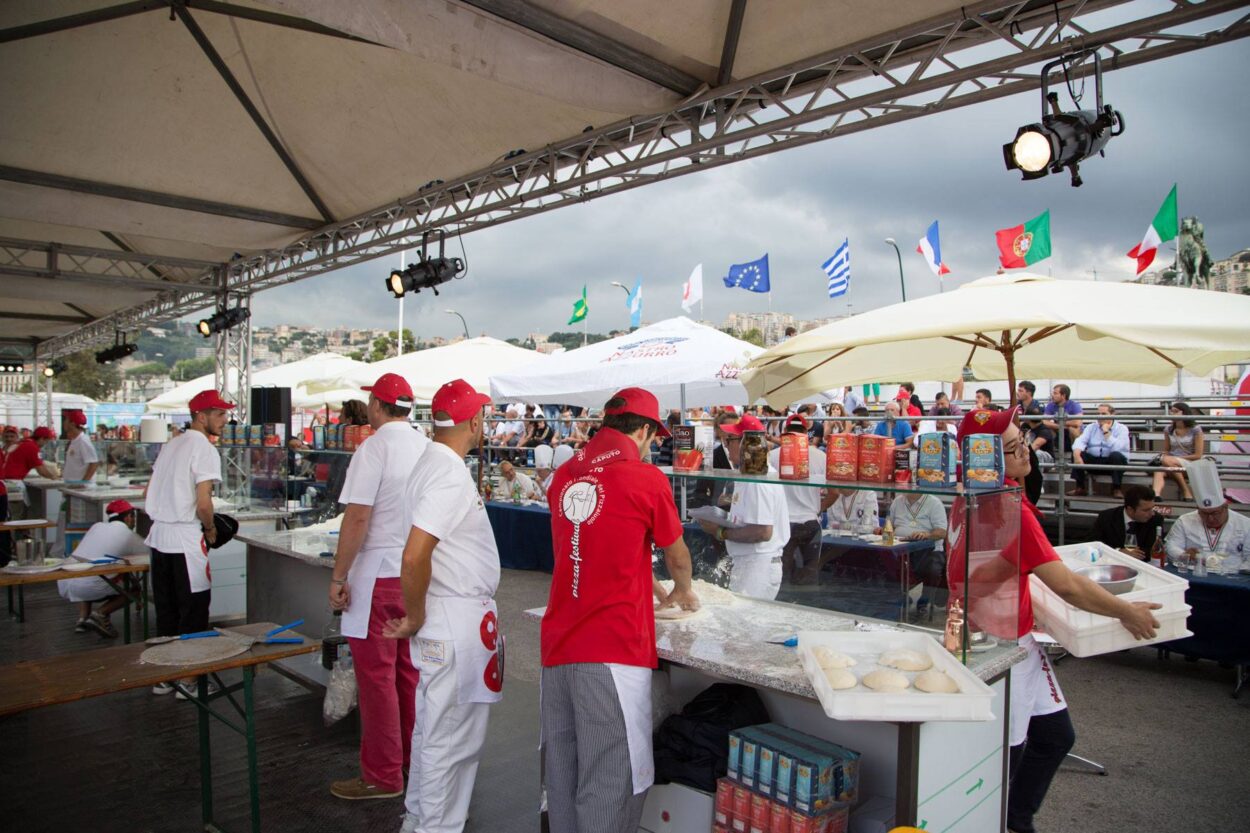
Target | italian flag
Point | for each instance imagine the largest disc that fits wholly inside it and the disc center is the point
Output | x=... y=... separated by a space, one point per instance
x=1162 y=228
x=1026 y=244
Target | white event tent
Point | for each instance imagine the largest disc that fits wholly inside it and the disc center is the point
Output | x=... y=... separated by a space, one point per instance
x=314 y=381
x=664 y=358
x=474 y=360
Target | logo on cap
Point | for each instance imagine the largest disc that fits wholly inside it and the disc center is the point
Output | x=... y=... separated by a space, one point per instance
x=982 y=417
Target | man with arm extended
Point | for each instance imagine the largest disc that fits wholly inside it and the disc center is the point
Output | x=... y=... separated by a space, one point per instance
x=450 y=574
x=608 y=508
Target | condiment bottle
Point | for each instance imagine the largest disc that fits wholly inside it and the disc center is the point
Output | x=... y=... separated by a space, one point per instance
x=953 y=639
x=887 y=533
x=1158 y=553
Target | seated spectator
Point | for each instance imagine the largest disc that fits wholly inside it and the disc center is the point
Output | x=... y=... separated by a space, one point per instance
x=1040 y=438
x=894 y=427
x=1182 y=441
x=917 y=517
x=942 y=406
x=1103 y=442
x=859 y=426
x=1213 y=527
x=509 y=433
x=1137 y=517
x=116 y=536
x=538 y=433
x=836 y=425
x=518 y=483
x=1060 y=400
x=985 y=400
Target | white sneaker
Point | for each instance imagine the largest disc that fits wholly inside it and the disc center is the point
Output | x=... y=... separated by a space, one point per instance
x=194 y=688
x=163 y=688
x=410 y=823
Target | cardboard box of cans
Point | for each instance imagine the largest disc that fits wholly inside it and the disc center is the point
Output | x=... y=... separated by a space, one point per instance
x=798 y=770
x=740 y=810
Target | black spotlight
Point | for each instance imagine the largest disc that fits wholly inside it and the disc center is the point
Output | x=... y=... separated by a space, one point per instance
x=427 y=272
x=55 y=368
x=1063 y=140
x=223 y=320
x=119 y=350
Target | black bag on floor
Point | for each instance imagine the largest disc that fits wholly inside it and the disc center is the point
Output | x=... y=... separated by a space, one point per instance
x=692 y=747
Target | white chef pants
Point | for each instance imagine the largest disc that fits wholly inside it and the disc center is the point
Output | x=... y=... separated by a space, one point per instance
x=756 y=575
x=447 y=740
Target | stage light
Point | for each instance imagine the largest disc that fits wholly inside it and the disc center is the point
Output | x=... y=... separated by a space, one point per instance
x=222 y=320
x=119 y=350
x=12 y=367
x=426 y=273
x=55 y=368
x=1063 y=139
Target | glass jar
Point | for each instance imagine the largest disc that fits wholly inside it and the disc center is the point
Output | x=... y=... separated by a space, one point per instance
x=754 y=453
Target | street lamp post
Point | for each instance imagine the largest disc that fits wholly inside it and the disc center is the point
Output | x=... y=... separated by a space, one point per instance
x=627 y=294
x=902 y=284
x=462 y=322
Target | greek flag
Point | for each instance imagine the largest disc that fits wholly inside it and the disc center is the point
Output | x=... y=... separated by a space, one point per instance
x=838 y=268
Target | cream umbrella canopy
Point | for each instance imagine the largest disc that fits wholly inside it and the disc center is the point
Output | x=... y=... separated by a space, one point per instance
x=1015 y=326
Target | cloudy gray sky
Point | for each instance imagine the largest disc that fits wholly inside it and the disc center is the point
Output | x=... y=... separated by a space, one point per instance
x=1188 y=119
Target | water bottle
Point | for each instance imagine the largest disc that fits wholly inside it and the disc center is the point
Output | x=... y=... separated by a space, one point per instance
x=332 y=641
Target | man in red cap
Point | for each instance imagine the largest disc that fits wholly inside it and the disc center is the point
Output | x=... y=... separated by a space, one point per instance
x=450 y=574
x=18 y=457
x=81 y=462
x=115 y=537
x=759 y=521
x=365 y=586
x=1041 y=732
x=180 y=503
x=608 y=508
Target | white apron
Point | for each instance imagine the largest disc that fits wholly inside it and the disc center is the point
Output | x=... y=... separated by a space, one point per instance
x=472 y=626
x=191 y=545
x=1035 y=690
x=361 y=578
x=633 y=689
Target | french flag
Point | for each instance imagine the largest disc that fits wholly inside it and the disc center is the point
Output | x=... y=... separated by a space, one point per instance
x=932 y=251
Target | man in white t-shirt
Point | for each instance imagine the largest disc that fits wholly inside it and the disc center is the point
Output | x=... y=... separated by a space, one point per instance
x=450 y=574
x=518 y=482
x=81 y=462
x=115 y=537
x=365 y=586
x=761 y=524
x=804 y=503
x=918 y=517
x=179 y=500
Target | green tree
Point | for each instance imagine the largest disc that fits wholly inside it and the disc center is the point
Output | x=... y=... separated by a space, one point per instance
x=754 y=336
x=356 y=355
x=82 y=375
x=150 y=370
x=571 y=341
x=388 y=345
x=188 y=369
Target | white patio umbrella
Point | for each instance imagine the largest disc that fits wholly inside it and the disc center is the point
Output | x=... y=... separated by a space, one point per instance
x=473 y=360
x=1011 y=327
x=663 y=358
x=175 y=399
x=315 y=374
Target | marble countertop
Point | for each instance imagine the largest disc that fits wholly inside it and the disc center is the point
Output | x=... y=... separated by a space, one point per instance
x=300 y=544
x=730 y=641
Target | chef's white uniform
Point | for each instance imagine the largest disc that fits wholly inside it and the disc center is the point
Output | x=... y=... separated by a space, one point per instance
x=458 y=649
x=103 y=538
x=757 y=567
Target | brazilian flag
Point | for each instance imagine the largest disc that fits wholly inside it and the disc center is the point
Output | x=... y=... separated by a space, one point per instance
x=580 y=309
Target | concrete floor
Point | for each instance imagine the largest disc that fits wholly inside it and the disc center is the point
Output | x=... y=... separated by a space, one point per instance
x=1172 y=738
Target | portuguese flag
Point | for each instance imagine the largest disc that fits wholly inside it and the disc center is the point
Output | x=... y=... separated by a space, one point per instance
x=1162 y=228
x=1024 y=245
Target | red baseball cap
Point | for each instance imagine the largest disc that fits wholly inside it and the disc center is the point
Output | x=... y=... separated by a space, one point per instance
x=392 y=389
x=10 y=429
x=119 y=507
x=43 y=432
x=793 y=418
x=746 y=422
x=75 y=416
x=459 y=400
x=209 y=400
x=984 y=421
x=641 y=403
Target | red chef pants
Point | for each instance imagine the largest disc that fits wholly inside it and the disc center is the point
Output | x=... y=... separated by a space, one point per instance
x=387 y=683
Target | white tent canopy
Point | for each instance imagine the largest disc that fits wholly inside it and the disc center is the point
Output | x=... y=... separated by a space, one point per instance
x=1015 y=326
x=663 y=358
x=174 y=400
x=473 y=360
x=326 y=378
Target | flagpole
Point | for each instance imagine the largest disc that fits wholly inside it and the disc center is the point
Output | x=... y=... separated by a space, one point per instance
x=584 y=317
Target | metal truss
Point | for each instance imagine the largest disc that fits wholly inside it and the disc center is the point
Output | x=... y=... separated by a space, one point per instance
x=103 y=267
x=984 y=51
x=232 y=350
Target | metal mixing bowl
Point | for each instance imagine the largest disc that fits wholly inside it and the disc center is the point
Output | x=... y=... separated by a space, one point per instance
x=1114 y=578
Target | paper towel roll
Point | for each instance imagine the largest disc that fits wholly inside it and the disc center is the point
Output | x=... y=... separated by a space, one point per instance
x=153 y=430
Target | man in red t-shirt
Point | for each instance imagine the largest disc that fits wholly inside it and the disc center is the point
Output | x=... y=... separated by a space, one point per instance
x=608 y=508
x=1041 y=732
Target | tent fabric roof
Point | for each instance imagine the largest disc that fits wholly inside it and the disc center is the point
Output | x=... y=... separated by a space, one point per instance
x=123 y=135
x=473 y=360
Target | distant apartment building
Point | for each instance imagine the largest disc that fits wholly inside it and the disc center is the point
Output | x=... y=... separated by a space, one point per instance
x=772 y=324
x=1232 y=274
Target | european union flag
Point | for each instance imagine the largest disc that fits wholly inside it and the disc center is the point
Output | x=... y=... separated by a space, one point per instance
x=752 y=276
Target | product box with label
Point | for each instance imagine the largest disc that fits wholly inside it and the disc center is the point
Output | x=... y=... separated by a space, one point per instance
x=687 y=456
x=876 y=458
x=902 y=465
x=983 y=464
x=723 y=810
x=255 y=435
x=797 y=769
x=273 y=434
x=792 y=461
x=319 y=437
x=935 y=459
x=842 y=457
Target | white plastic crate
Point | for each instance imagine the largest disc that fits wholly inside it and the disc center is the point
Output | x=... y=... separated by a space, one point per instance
x=1086 y=634
x=972 y=702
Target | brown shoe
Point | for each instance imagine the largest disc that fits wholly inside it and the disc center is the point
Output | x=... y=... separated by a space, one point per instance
x=357 y=789
x=1077 y=493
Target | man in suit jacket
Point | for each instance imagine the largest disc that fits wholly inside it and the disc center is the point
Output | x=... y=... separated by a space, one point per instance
x=1137 y=515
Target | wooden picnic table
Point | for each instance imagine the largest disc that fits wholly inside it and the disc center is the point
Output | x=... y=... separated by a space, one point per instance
x=78 y=676
x=104 y=571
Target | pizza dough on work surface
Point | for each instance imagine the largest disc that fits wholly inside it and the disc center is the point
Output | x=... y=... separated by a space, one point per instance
x=905 y=660
x=936 y=682
x=828 y=658
x=708 y=593
x=675 y=614
x=840 y=678
x=193 y=651
x=883 y=679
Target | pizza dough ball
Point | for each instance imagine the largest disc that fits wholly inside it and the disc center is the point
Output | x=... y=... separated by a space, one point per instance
x=840 y=678
x=883 y=679
x=936 y=682
x=828 y=658
x=905 y=660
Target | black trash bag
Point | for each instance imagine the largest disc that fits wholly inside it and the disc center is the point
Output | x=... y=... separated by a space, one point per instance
x=692 y=747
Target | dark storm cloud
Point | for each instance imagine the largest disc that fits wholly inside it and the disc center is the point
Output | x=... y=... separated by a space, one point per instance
x=1187 y=120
